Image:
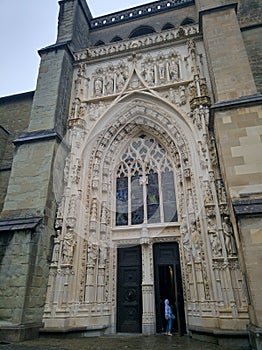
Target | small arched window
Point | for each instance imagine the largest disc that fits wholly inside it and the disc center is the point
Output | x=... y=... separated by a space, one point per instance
x=142 y=30
x=187 y=21
x=168 y=26
x=99 y=43
x=145 y=189
x=116 y=38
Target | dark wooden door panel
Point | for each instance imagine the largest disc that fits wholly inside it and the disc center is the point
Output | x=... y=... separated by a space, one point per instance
x=129 y=290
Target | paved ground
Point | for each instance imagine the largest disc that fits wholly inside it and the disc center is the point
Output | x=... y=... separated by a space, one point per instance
x=158 y=342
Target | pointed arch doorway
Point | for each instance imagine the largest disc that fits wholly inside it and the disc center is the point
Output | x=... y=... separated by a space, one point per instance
x=146 y=210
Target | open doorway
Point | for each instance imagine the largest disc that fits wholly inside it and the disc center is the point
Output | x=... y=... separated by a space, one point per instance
x=168 y=285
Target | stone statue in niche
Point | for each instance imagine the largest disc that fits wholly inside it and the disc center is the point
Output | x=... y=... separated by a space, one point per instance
x=172 y=96
x=109 y=81
x=98 y=87
x=161 y=69
x=102 y=254
x=173 y=70
x=121 y=76
x=186 y=239
x=91 y=254
x=229 y=237
x=149 y=75
x=195 y=236
x=191 y=46
x=215 y=243
x=208 y=199
x=56 y=249
x=68 y=247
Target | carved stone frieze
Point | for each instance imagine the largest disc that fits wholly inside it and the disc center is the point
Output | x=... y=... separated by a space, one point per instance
x=127 y=45
x=109 y=80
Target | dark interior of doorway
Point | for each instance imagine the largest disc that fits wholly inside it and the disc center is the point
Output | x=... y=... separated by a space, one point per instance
x=166 y=291
x=168 y=285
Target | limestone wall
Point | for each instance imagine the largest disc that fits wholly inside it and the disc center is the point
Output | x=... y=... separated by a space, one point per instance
x=239 y=134
x=14 y=118
x=253 y=44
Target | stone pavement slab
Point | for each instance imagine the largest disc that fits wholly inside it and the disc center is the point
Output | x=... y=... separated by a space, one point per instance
x=118 y=342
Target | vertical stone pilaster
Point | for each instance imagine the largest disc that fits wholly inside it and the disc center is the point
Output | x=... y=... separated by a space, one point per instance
x=148 y=294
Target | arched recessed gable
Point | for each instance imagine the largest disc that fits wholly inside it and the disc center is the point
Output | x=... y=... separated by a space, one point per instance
x=116 y=38
x=168 y=26
x=141 y=30
x=187 y=21
x=99 y=43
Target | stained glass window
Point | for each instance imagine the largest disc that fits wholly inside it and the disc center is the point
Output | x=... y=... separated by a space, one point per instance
x=145 y=189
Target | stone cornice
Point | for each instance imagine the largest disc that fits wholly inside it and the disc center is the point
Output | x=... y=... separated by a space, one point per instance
x=11 y=98
x=56 y=47
x=241 y=102
x=36 y=136
x=138 y=12
x=19 y=224
x=247 y=206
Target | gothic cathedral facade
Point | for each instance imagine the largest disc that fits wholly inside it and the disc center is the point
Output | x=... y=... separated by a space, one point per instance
x=138 y=176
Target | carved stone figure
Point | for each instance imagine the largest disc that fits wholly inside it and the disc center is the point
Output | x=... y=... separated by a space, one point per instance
x=98 y=87
x=110 y=84
x=195 y=236
x=102 y=254
x=91 y=254
x=56 y=249
x=215 y=244
x=68 y=247
x=173 y=70
x=229 y=237
x=121 y=80
x=161 y=70
x=149 y=75
x=172 y=96
x=186 y=239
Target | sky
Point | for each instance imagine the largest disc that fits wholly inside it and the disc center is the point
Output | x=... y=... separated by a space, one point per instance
x=29 y=25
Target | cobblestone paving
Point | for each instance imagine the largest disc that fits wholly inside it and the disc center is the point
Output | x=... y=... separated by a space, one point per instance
x=159 y=342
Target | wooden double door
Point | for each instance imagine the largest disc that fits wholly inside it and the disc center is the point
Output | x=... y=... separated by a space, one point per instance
x=167 y=283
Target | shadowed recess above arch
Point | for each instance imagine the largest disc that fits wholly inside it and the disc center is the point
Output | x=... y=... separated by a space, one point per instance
x=115 y=39
x=141 y=30
x=168 y=26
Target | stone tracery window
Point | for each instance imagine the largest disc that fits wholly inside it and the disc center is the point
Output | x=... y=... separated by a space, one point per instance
x=145 y=190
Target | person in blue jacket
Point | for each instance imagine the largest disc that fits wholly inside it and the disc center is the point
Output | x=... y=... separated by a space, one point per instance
x=168 y=317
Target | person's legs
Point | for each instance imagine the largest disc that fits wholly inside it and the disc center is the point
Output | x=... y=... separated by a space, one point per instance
x=169 y=326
